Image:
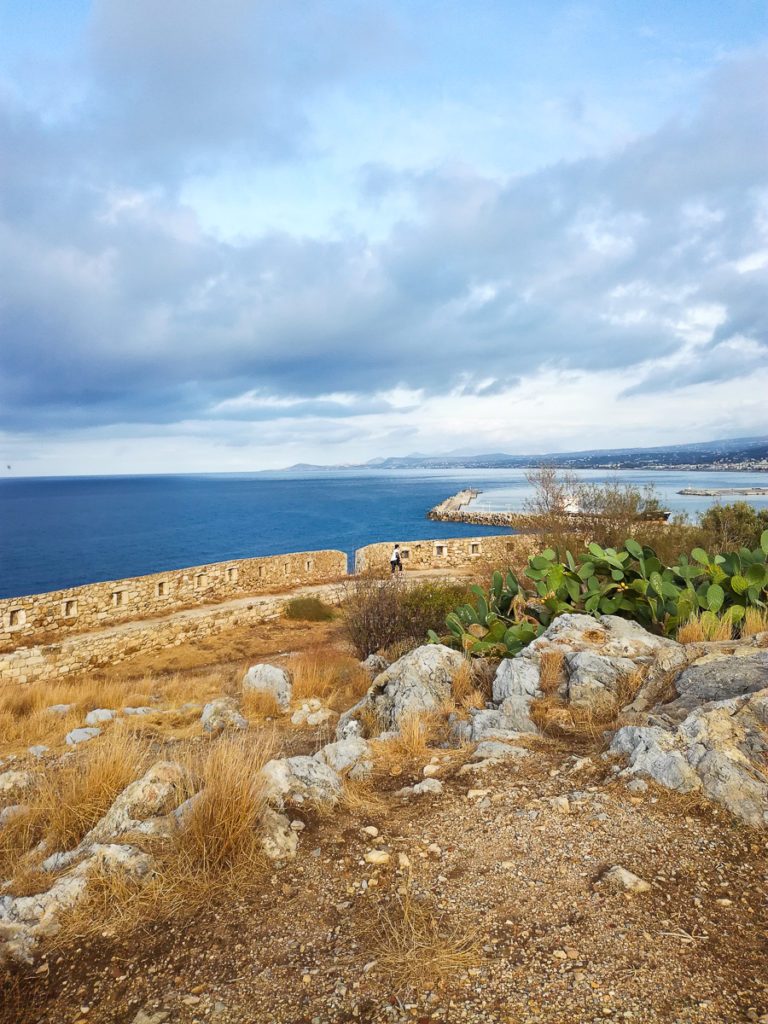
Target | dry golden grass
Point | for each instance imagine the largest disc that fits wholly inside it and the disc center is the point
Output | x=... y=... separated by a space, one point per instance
x=755 y=621
x=259 y=704
x=71 y=797
x=216 y=853
x=328 y=675
x=692 y=631
x=584 y=724
x=550 y=671
x=413 y=944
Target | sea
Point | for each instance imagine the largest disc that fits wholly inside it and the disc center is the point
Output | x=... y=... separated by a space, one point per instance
x=58 y=532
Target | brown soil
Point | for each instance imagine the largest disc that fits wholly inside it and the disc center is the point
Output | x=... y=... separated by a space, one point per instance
x=555 y=944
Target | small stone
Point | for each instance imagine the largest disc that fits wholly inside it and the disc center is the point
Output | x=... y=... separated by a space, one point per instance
x=725 y=902
x=403 y=860
x=371 y=830
x=306 y=979
x=191 y=1000
x=477 y=794
x=430 y=770
x=620 y=878
x=377 y=857
x=297 y=825
x=434 y=851
x=560 y=954
x=560 y=804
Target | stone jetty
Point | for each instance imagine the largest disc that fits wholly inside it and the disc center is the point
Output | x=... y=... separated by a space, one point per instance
x=716 y=492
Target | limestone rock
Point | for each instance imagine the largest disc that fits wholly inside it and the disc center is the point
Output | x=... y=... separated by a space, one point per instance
x=419 y=681
x=270 y=679
x=718 y=679
x=222 y=713
x=82 y=735
x=516 y=677
x=145 y=805
x=351 y=757
x=278 y=839
x=13 y=783
x=38 y=750
x=498 y=750
x=609 y=635
x=374 y=664
x=298 y=780
x=593 y=678
x=99 y=715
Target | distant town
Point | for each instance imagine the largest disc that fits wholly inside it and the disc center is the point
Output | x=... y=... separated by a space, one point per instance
x=744 y=454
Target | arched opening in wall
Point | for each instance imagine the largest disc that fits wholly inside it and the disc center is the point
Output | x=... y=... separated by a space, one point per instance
x=161 y=589
x=232 y=574
x=117 y=598
x=17 y=617
x=70 y=609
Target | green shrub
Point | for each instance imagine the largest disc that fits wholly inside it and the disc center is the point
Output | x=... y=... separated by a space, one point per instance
x=383 y=613
x=738 y=525
x=310 y=609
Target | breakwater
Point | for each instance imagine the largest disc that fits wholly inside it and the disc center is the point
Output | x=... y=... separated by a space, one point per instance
x=716 y=492
x=453 y=510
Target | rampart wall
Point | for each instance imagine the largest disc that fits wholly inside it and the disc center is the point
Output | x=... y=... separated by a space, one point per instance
x=445 y=553
x=199 y=602
x=61 y=613
x=79 y=653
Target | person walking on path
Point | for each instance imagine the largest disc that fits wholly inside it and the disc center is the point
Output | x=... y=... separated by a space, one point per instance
x=395 y=562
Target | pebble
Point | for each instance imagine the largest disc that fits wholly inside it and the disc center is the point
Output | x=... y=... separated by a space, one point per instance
x=377 y=857
x=371 y=830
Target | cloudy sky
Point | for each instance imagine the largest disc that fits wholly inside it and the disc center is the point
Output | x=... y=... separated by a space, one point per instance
x=239 y=234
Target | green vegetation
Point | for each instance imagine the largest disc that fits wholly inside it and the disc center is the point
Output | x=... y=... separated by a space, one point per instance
x=311 y=609
x=734 y=526
x=382 y=613
x=631 y=582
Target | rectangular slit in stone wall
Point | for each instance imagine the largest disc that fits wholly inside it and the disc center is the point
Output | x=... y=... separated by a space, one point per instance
x=70 y=609
x=405 y=553
x=117 y=598
x=161 y=588
x=18 y=617
x=232 y=574
x=261 y=572
x=309 y=565
x=440 y=550
x=200 y=581
x=286 y=567
x=474 y=549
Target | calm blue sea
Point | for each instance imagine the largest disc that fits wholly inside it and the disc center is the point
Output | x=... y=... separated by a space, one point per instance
x=61 y=532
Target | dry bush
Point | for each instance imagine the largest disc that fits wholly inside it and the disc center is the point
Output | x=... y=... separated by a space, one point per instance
x=329 y=675
x=550 y=671
x=755 y=621
x=308 y=609
x=413 y=944
x=462 y=683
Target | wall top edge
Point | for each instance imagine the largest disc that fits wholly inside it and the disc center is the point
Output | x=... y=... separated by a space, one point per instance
x=57 y=594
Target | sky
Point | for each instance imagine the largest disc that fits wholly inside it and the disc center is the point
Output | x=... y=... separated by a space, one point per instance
x=242 y=234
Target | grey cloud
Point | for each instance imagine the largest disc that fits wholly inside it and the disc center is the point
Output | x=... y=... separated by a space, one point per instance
x=117 y=308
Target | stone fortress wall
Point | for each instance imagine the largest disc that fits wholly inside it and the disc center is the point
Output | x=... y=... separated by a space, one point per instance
x=49 y=636
x=62 y=613
x=445 y=553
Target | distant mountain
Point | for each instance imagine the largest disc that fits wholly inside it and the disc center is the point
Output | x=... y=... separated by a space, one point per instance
x=730 y=453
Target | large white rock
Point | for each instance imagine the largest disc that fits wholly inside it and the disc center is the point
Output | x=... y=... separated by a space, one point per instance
x=350 y=757
x=299 y=780
x=14 y=782
x=222 y=713
x=145 y=806
x=270 y=679
x=82 y=735
x=99 y=715
x=419 y=681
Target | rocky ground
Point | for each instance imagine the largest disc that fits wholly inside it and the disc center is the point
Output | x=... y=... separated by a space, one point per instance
x=490 y=894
